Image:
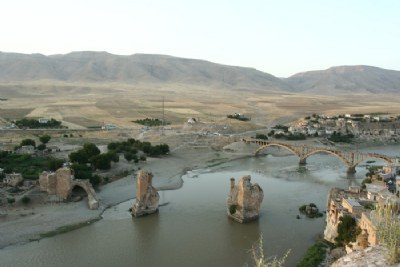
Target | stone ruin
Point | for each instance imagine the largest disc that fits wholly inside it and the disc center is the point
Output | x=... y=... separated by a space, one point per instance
x=62 y=182
x=147 y=197
x=244 y=200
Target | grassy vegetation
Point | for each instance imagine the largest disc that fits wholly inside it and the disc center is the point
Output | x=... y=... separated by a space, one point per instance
x=30 y=167
x=388 y=230
x=314 y=256
x=68 y=228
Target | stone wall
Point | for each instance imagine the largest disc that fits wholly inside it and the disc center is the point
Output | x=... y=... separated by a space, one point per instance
x=61 y=183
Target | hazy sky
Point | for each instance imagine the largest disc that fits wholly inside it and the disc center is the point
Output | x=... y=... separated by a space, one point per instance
x=280 y=37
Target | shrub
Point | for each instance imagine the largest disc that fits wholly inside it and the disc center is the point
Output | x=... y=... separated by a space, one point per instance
x=314 y=255
x=260 y=260
x=388 y=231
x=95 y=180
x=26 y=200
x=45 y=138
x=41 y=147
x=10 y=200
x=232 y=209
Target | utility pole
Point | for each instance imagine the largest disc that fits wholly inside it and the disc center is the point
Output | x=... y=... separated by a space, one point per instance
x=162 y=120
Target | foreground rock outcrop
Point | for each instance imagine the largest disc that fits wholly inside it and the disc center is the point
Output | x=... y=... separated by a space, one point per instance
x=244 y=200
x=147 y=197
x=371 y=256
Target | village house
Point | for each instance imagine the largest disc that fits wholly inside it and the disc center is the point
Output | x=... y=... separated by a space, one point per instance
x=357 y=204
x=26 y=150
x=13 y=179
x=43 y=120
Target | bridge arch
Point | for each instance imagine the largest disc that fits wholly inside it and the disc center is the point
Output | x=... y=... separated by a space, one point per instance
x=287 y=147
x=375 y=156
x=331 y=152
x=93 y=201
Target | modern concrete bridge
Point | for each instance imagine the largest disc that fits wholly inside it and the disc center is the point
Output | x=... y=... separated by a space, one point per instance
x=350 y=158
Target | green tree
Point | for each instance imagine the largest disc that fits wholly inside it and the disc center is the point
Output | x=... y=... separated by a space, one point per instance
x=348 y=230
x=91 y=149
x=79 y=156
x=41 y=147
x=113 y=156
x=101 y=162
x=28 y=142
x=81 y=171
x=128 y=156
x=261 y=136
x=95 y=180
x=26 y=200
x=45 y=138
x=54 y=164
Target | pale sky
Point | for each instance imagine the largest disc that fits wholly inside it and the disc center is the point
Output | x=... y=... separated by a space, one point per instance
x=280 y=37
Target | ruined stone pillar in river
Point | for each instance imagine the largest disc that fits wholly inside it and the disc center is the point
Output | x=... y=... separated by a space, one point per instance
x=147 y=197
x=244 y=200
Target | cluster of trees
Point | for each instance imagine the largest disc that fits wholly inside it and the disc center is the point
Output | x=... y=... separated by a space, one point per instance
x=281 y=127
x=90 y=153
x=86 y=160
x=261 y=136
x=30 y=167
x=290 y=136
x=338 y=137
x=149 y=122
x=35 y=124
x=131 y=147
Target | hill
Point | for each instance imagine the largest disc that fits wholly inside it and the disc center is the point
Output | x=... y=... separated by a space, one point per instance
x=138 y=68
x=345 y=80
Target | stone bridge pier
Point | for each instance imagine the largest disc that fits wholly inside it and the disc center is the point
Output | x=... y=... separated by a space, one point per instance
x=303 y=161
x=351 y=169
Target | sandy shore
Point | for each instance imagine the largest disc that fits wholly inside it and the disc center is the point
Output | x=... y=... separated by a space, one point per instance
x=22 y=224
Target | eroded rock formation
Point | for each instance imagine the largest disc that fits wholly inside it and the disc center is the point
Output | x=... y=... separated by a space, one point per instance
x=147 y=197
x=62 y=182
x=244 y=200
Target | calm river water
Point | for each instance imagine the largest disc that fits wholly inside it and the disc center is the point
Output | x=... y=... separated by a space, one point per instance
x=193 y=228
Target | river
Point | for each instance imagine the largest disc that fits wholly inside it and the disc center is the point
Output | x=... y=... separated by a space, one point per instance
x=192 y=228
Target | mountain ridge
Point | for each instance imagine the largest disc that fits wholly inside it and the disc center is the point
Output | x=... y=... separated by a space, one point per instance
x=93 y=66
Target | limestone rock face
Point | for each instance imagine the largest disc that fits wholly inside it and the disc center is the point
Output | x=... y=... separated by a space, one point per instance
x=147 y=197
x=371 y=256
x=244 y=200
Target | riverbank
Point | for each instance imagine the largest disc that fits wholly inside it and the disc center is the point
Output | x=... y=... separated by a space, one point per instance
x=21 y=224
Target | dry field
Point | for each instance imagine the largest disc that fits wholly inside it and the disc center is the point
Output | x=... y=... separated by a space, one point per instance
x=89 y=105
